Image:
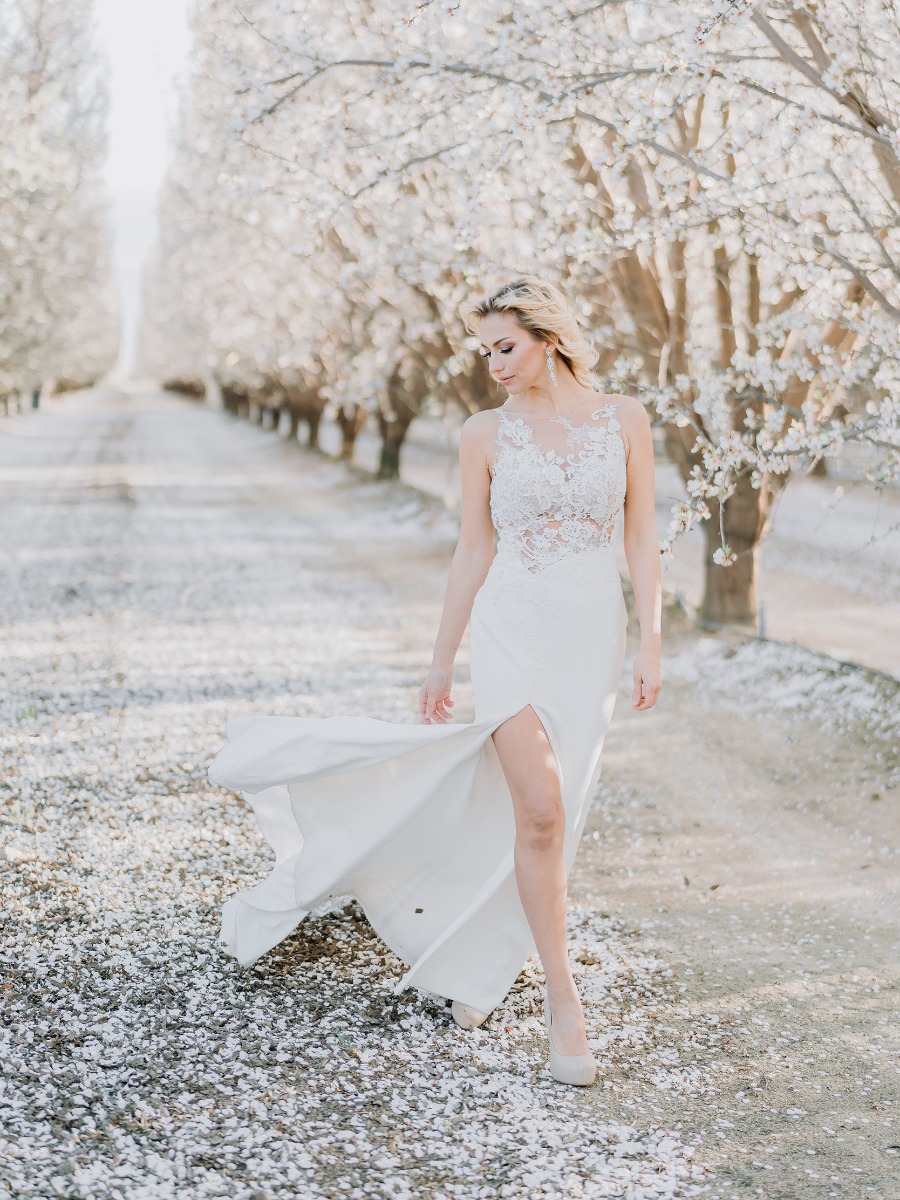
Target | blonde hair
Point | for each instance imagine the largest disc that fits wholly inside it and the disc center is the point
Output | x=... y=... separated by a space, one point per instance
x=542 y=310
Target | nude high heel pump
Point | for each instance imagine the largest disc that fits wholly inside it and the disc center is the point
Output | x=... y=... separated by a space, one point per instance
x=467 y=1017
x=578 y=1069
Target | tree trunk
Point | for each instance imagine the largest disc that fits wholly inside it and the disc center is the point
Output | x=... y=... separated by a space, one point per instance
x=234 y=400
x=350 y=422
x=731 y=592
x=393 y=435
x=394 y=419
x=313 y=419
x=730 y=595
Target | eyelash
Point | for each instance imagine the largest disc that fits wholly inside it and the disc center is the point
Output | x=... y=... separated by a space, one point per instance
x=503 y=350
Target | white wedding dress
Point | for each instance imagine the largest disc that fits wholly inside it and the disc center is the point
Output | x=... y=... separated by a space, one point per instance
x=416 y=821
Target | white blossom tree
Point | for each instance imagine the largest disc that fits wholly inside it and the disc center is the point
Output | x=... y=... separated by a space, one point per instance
x=57 y=312
x=722 y=207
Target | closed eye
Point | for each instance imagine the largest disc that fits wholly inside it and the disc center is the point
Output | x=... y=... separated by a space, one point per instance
x=503 y=350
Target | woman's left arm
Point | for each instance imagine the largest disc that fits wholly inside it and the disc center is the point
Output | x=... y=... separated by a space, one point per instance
x=642 y=553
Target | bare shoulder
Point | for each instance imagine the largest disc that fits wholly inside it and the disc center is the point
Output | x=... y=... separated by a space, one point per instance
x=476 y=439
x=634 y=420
x=630 y=411
x=485 y=420
x=479 y=428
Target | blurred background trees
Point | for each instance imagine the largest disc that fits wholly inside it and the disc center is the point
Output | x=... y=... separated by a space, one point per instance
x=718 y=196
x=57 y=306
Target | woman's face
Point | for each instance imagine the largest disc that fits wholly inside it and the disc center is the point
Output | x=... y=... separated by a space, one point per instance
x=515 y=357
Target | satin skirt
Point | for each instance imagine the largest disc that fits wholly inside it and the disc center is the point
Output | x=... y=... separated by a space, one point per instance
x=416 y=821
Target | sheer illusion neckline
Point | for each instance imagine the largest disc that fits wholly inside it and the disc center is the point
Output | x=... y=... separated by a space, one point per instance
x=591 y=423
x=515 y=431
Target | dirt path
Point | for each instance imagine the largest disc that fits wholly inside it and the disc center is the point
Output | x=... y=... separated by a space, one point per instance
x=749 y=829
x=734 y=903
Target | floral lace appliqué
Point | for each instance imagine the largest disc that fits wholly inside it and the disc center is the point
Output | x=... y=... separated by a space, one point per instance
x=546 y=504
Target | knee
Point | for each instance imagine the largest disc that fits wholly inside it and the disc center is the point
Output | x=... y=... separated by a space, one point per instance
x=541 y=827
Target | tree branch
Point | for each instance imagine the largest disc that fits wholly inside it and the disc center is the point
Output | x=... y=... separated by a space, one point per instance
x=848 y=100
x=496 y=77
x=751 y=85
x=865 y=222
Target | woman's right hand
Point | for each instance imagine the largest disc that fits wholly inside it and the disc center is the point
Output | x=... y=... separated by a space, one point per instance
x=434 y=696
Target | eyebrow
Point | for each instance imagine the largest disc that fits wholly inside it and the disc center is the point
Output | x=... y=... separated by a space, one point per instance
x=499 y=340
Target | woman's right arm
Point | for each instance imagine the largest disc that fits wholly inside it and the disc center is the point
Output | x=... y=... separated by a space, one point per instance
x=469 y=566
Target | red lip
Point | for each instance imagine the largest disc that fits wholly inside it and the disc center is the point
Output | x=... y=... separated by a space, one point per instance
x=508 y=379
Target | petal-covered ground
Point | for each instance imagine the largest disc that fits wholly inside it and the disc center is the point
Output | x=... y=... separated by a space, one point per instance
x=166 y=568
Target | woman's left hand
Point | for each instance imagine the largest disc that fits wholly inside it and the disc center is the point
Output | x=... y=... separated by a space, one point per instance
x=647 y=679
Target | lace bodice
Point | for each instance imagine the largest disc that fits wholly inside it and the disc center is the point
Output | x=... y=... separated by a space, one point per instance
x=552 y=497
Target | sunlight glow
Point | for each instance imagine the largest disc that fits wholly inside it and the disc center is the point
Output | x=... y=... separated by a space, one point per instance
x=146 y=42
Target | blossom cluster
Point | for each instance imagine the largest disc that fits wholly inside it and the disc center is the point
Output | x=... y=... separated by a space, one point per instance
x=722 y=212
x=56 y=290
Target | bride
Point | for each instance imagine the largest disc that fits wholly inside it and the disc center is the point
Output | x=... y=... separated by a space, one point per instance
x=457 y=839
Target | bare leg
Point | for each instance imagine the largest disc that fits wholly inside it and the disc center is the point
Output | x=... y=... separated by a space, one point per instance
x=528 y=763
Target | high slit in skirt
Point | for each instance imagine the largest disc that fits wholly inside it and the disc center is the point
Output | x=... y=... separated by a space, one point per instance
x=416 y=821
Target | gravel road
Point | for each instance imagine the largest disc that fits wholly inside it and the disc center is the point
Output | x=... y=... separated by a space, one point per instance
x=733 y=907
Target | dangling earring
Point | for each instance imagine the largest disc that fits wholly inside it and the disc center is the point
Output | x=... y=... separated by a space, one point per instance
x=550 y=367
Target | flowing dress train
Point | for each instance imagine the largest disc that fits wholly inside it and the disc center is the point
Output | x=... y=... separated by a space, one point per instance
x=415 y=820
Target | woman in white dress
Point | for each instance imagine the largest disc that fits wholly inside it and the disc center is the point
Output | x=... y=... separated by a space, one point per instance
x=457 y=839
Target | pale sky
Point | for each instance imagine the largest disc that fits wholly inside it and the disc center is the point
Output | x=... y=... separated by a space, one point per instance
x=146 y=42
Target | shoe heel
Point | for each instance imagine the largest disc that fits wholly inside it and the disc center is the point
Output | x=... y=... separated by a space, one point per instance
x=580 y=1070
x=466 y=1016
